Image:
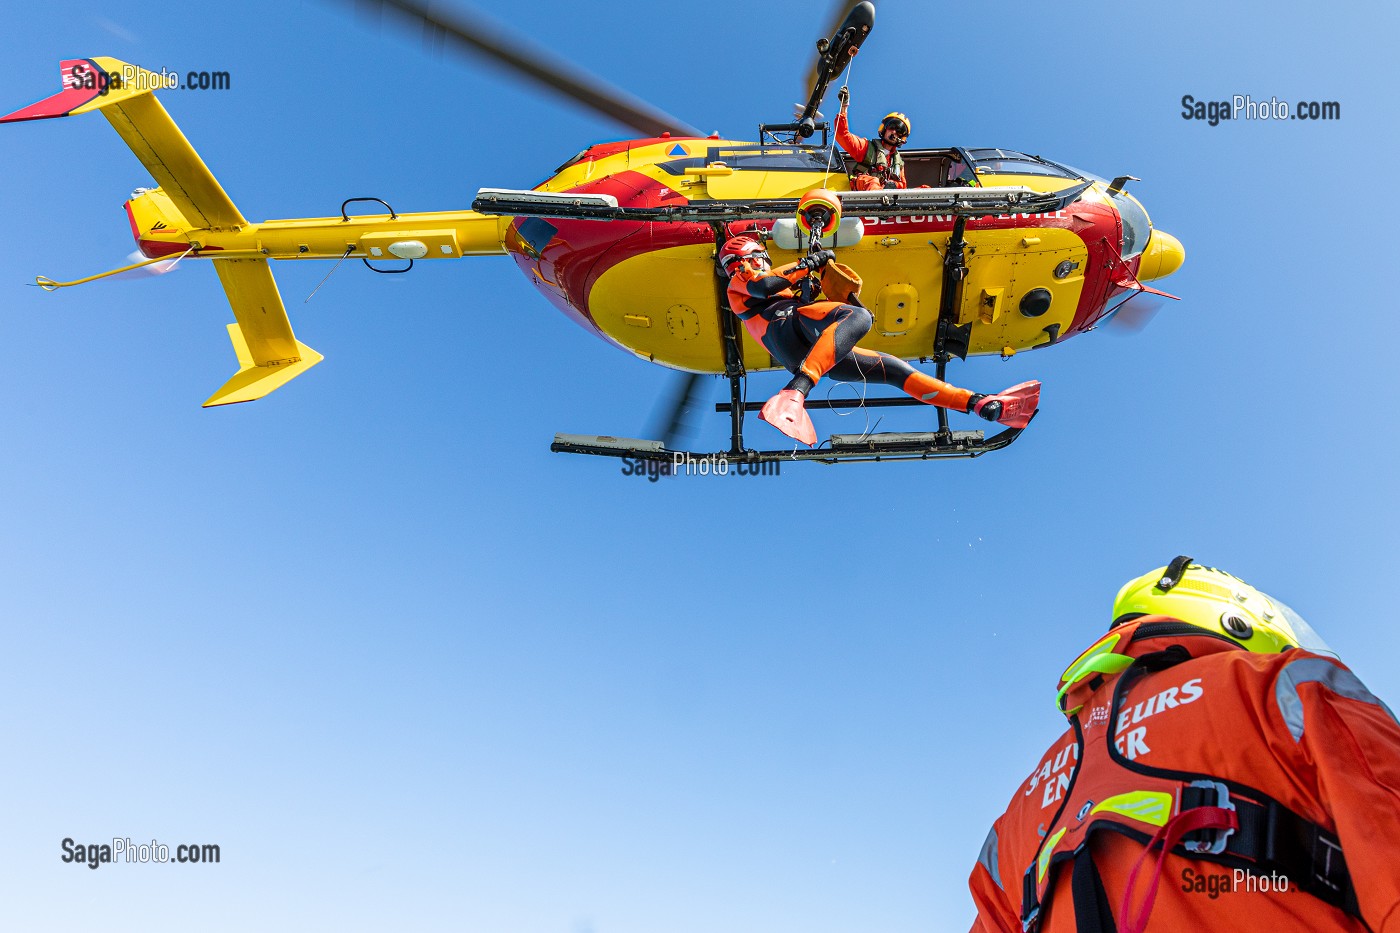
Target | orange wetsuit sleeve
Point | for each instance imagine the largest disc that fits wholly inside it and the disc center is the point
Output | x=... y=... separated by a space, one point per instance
x=749 y=294
x=791 y=272
x=1352 y=741
x=855 y=146
x=773 y=284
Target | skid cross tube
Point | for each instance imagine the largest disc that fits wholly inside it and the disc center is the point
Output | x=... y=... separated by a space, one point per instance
x=835 y=403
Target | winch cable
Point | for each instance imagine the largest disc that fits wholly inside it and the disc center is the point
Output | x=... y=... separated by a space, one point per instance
x=831 y=149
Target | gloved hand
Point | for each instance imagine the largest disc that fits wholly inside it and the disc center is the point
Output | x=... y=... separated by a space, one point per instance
x=844 y=96
x=817 y=259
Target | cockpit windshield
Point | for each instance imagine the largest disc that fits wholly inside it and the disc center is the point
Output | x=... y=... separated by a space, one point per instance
x=1137 y=228
x=1011 y=162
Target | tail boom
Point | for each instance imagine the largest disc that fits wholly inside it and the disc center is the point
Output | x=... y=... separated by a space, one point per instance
x=190 y=214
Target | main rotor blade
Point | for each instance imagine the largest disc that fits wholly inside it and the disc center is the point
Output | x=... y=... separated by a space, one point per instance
x=469 y=33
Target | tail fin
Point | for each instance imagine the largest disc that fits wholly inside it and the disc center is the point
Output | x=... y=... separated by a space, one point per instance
x=123 y=93
x=189 y=198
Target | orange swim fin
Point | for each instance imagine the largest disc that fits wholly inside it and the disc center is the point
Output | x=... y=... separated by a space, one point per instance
x=1012 y=407
x=785 y=411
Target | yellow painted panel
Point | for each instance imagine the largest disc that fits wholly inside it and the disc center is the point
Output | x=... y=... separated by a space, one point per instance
x=676 y=292
x=659 y=285
x=1000 y=260
x=896 y=309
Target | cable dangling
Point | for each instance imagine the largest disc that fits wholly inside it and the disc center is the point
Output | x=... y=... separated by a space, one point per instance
x=831 y=147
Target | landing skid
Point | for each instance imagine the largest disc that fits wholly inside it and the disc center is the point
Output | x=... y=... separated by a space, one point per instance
x=943 y=444
x=844 y=448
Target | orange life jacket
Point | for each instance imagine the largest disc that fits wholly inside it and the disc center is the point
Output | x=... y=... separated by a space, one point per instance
x=1201 y=745
x=878 y=162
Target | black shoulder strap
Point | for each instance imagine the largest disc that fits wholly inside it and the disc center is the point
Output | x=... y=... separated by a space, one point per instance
x=1092 y=913
x=1274 y=840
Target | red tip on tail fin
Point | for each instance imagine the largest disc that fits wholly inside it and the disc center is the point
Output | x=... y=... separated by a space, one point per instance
x=83 y=83
x=124 y=93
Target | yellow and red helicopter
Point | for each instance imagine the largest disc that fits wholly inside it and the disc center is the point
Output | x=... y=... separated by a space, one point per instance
x=989 y=251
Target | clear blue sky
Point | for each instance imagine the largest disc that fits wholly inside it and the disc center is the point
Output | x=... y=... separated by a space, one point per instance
x=411 y=670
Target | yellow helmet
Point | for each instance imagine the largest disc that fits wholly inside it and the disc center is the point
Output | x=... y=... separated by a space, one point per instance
x=1217 y=602
x=897 y=120
x=1202 y=596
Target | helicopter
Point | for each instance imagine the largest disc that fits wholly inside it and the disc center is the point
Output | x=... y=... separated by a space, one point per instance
x=988 y=251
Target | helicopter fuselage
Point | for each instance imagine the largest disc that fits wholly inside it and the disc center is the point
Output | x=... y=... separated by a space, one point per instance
x=1031 y=280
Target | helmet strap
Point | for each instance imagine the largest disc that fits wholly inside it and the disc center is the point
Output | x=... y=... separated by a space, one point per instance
x=1172 y=575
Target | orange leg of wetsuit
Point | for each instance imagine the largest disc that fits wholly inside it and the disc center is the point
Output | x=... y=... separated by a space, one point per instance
x=834 y=329
x=873 y=366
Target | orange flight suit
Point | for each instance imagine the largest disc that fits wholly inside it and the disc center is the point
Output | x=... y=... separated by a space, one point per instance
x=1296 y=728
x=876 y=163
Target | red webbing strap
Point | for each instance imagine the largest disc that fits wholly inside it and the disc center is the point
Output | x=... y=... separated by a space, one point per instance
x=1168 y=836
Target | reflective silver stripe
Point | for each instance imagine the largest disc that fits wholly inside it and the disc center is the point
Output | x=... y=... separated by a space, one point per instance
x=1339 y=680
x=988 y=857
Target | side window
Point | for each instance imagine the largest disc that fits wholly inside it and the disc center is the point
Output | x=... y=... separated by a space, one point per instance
x=937 y=169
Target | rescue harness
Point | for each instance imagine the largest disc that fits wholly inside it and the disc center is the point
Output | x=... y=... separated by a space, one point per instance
x=877 y=162
x=1198 y=816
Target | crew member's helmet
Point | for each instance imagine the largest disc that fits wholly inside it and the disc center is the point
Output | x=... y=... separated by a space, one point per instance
x=898 y=122
x=738 y=248
x=1217 y=602
x=1209 y=599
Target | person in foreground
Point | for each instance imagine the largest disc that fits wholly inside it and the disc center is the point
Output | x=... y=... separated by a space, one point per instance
x=1222 y=770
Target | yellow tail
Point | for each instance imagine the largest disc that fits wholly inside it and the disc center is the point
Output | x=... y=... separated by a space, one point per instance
x=188 y=199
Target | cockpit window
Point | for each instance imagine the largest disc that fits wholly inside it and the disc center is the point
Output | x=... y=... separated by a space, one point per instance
x=573 y=161
x=1136 y=227
x=795 y=159
x=1010 y=162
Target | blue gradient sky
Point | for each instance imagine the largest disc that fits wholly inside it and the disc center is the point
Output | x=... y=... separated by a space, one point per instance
x=411 y=670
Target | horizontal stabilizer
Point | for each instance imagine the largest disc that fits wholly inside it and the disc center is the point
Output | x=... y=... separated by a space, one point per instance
x=269 y=355
x=252 y=381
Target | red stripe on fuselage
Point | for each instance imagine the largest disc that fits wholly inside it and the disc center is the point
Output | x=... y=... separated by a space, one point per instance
x=581 y=251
